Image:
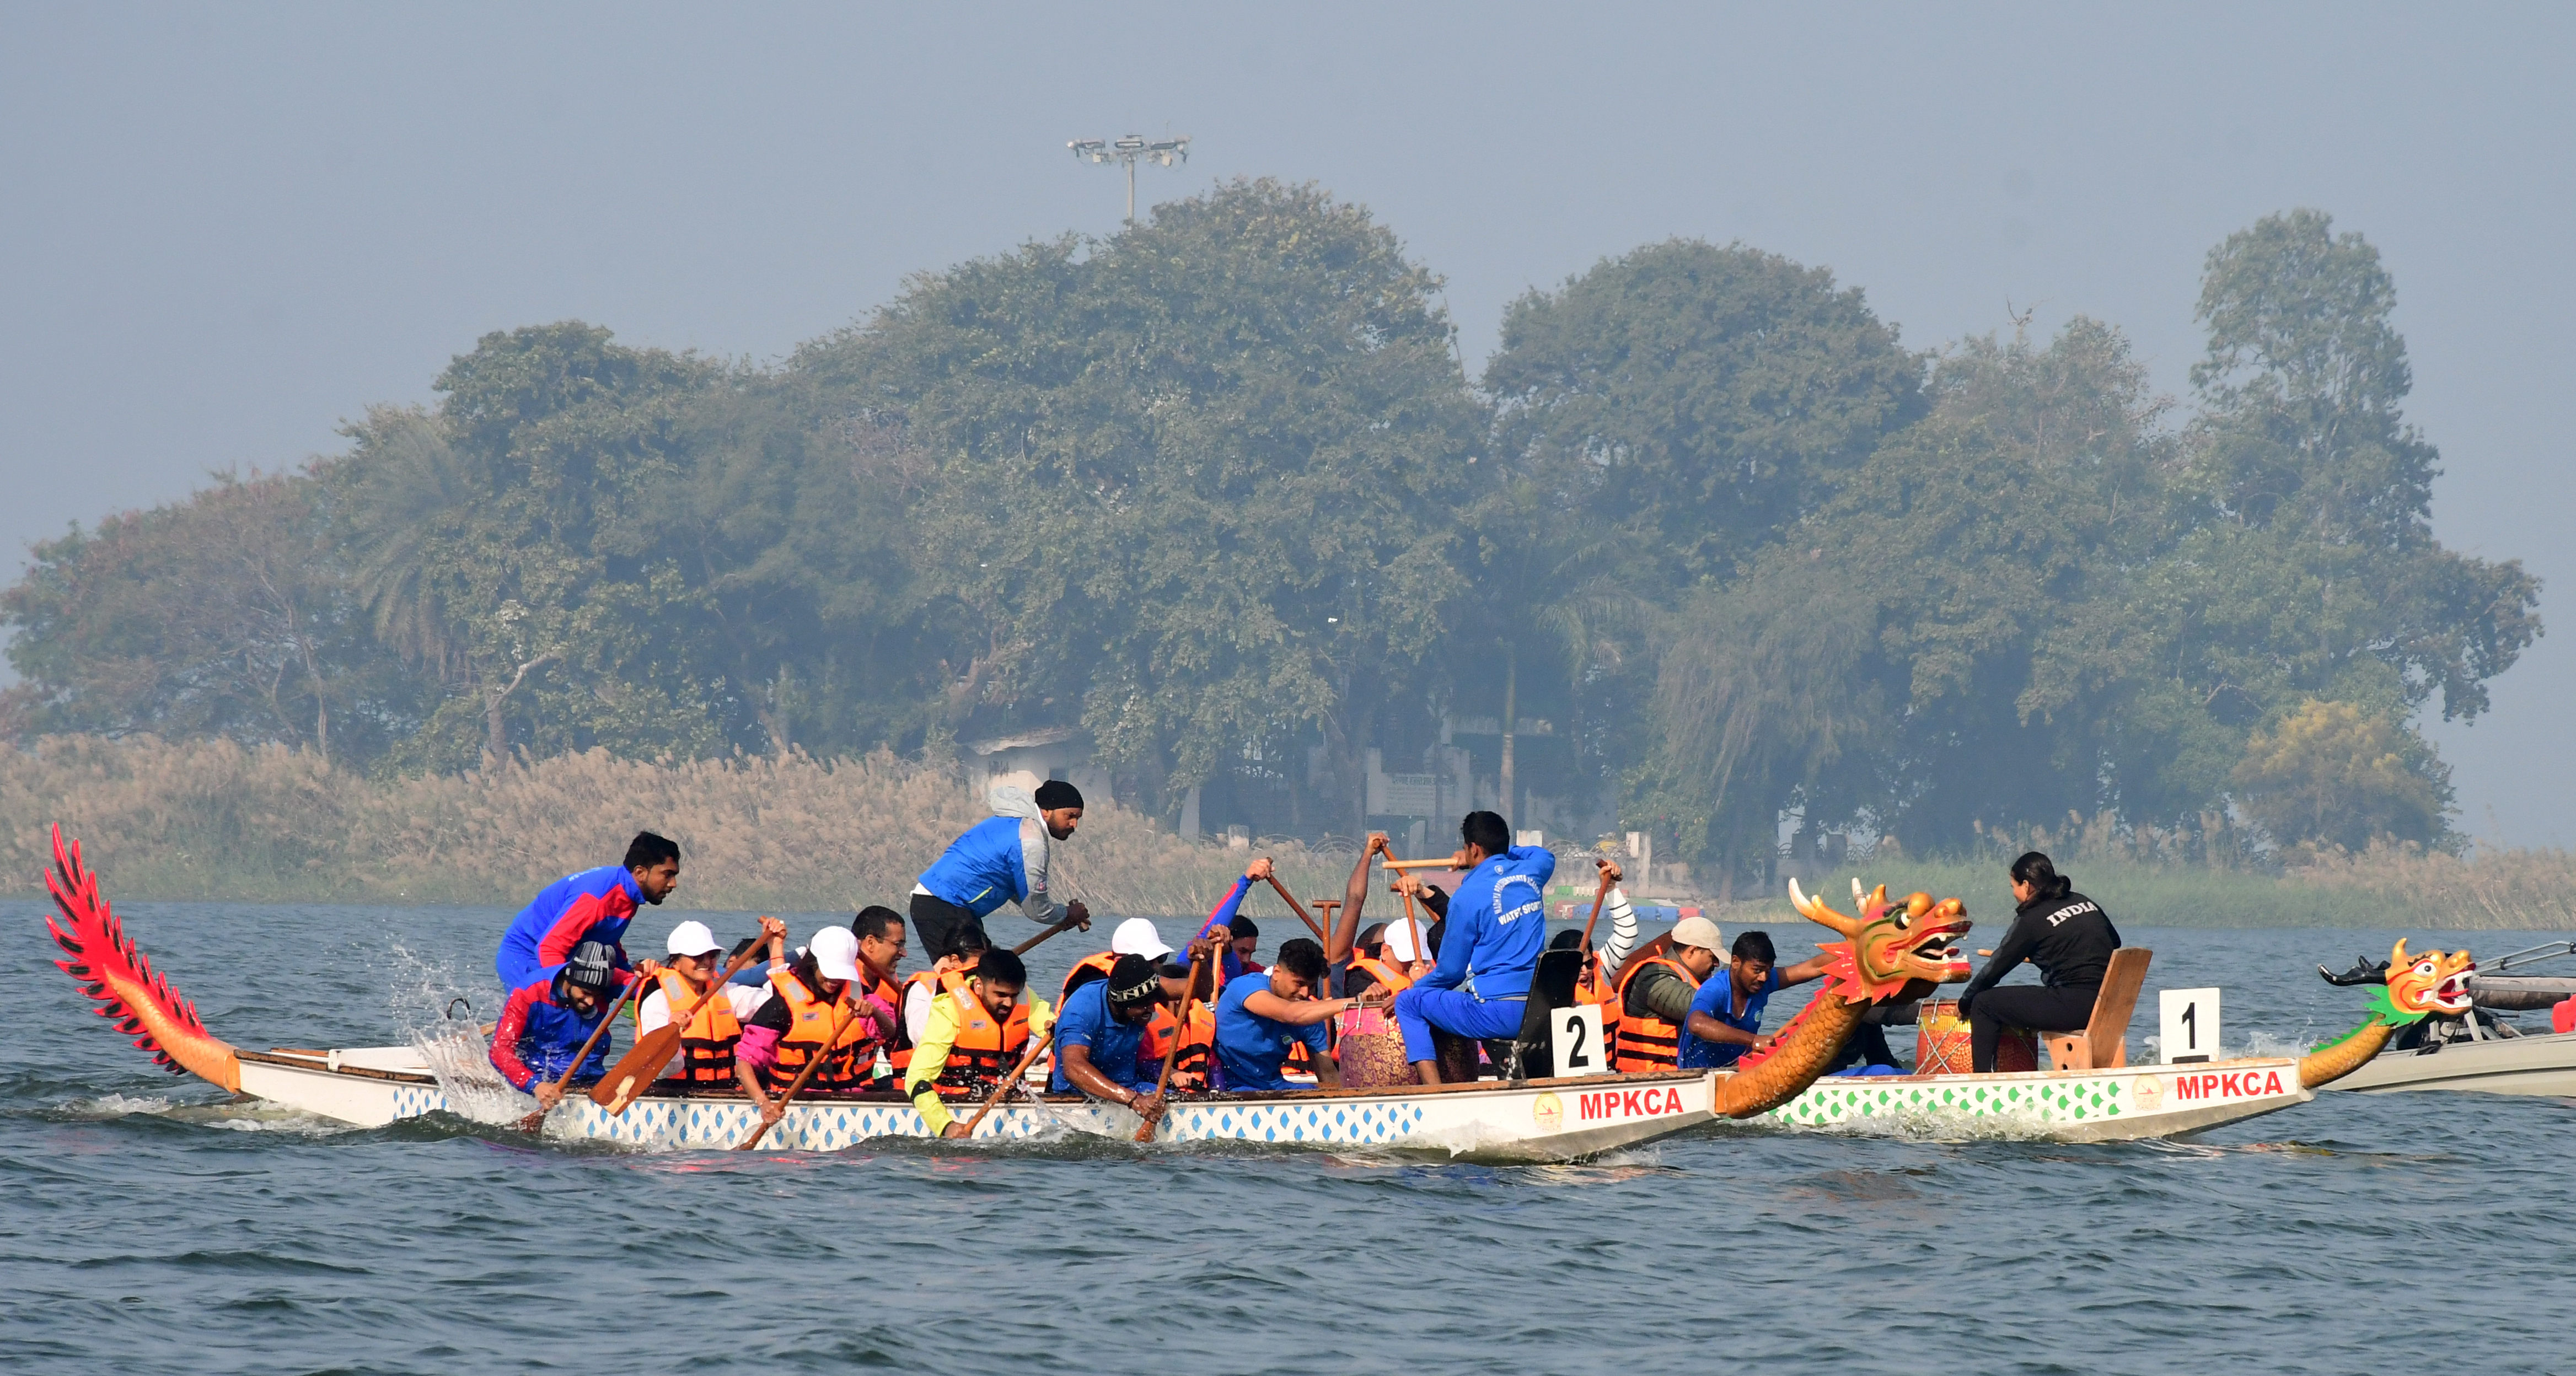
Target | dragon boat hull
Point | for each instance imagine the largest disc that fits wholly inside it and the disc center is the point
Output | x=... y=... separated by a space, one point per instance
x=2123 y=1104
x=2540 y=1065
x=1537 y=1120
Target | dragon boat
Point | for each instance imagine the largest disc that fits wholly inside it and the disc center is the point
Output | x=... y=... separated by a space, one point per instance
x=1887 y=953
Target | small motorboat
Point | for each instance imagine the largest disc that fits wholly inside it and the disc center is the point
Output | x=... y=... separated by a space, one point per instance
x=2480 y=1049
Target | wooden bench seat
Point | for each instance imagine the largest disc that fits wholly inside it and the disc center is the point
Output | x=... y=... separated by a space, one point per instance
x=2104 y=1042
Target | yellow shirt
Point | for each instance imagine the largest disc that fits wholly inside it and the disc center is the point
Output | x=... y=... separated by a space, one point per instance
x=930 y=1056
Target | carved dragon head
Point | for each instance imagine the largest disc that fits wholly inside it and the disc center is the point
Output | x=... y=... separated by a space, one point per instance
x=1889 y=946
x=2422 y=985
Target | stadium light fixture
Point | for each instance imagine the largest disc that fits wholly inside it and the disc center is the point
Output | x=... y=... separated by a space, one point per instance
x=1129 y=151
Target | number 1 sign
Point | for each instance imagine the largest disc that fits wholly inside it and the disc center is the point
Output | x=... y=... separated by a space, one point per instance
x=2190 y=1025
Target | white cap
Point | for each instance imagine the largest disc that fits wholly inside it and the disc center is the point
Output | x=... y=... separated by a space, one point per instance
x=1136 y=937
x=1399 y=942
x=1700 y=932
x=692 y=939
x=836 y=953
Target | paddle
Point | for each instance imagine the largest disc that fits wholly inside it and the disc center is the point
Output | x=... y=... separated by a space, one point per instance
x=1299 y=909
x=653 y=1051
x=1180 y=1034
x=847 y=1008
x=1031 y=944
x=537 y=1119
x=1597 y=900
x=1018 y=1072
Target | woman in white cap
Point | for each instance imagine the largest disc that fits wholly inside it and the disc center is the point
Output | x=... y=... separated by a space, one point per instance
x=707 y=1042
x=820 y=1009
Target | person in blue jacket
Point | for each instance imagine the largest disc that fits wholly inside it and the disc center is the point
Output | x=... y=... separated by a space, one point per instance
x=999 y=860
x=1496 y=927
x=594 y=905
x=546 y=1024
x=1726 y=1015
x=1100 y=1033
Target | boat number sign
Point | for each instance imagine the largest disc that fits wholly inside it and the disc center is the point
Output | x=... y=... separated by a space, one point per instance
x=1576 y=1035
x=2189 y=1029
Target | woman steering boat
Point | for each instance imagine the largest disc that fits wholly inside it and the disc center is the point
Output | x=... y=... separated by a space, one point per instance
x=2066 y=935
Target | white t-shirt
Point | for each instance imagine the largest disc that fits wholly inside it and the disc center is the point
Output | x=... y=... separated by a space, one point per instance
x=656 y=1011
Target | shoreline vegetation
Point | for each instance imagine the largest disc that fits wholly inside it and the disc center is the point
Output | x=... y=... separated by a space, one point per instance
x=213 y=820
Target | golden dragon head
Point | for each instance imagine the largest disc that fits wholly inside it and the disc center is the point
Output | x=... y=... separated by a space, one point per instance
x=1889 y=946
x=2423 y=984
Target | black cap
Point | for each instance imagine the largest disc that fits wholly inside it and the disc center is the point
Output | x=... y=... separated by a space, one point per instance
x=589 y=967
x=1133 y=981
x=1056 y=793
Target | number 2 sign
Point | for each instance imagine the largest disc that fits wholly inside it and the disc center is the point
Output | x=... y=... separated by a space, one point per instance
x=2190 y=1025
x=1575 y=1035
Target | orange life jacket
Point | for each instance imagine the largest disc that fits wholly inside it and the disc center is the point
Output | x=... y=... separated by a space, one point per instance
x=985 y=1049
x=1384 y=972
x=1086 y=970
x=809 y=1034
x=900 y=1053
x=1164 y=1040
x=1644 y=1041
x=706 y=1043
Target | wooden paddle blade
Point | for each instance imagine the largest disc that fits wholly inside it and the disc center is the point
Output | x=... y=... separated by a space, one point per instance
x=638 y=1068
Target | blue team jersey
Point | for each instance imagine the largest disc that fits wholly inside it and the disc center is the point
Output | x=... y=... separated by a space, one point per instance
x=1716 y=997
x=1249 y=1047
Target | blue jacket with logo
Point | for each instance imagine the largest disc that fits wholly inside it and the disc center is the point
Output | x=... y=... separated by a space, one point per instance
x=1497 y=926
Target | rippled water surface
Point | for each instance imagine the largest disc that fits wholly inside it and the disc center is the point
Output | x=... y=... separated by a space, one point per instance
x=146 y=1226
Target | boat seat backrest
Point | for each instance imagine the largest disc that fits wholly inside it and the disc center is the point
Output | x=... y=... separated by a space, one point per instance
x=2104 y=1042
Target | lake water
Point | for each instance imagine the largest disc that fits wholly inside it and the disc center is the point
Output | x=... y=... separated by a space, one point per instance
x=145 y=1226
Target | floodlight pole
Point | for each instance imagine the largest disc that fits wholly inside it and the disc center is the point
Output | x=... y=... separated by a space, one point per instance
x=1129 y=151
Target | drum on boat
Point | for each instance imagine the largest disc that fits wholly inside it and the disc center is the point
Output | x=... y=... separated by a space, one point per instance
x=1941 y=1044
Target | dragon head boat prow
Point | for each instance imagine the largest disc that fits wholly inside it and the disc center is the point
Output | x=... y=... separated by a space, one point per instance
x=1888 y=952
x=1888 y=948
x=123 y=981
x=2415 y=987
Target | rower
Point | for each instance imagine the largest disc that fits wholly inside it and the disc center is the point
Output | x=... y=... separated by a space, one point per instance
x=707 y=1043
x=999 y=860
x=2066 y=935
x=1134 y=937
x=1397 y=963
x=1258 y=1018
x=977 y=1030
x=594 y=905
x=1195 y=995
x=1654 y=997
x=1246 y=938
x=881 y=949
x=1097 y=1035
x=923 y=988
x=797 y=1023
x=1482 y=982
x=1726 y=1014
x=546 y=1024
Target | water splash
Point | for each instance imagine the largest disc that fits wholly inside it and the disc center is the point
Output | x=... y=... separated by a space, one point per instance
x=457 y=1049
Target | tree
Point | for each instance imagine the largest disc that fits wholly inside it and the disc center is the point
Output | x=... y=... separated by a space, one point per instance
x=1722 y=393
x=1998 y=538
x=229 y=614
x=1191 y=488
x=2333 y=774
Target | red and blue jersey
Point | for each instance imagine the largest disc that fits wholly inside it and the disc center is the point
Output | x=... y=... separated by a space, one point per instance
x=1223 y=916
x=537 y=1038
x=594 y=905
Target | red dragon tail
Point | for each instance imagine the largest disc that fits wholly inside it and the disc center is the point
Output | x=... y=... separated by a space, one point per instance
x=123 y=982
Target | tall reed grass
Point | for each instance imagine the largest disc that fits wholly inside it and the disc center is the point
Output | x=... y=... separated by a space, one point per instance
x=215 y=820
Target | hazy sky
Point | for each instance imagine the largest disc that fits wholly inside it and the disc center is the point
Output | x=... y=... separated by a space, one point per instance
x=222 y=229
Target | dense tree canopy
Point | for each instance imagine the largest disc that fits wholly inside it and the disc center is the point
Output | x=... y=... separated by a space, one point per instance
x=1706 y=550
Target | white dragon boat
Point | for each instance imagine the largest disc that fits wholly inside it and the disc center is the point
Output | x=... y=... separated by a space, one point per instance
x=1890 y=951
